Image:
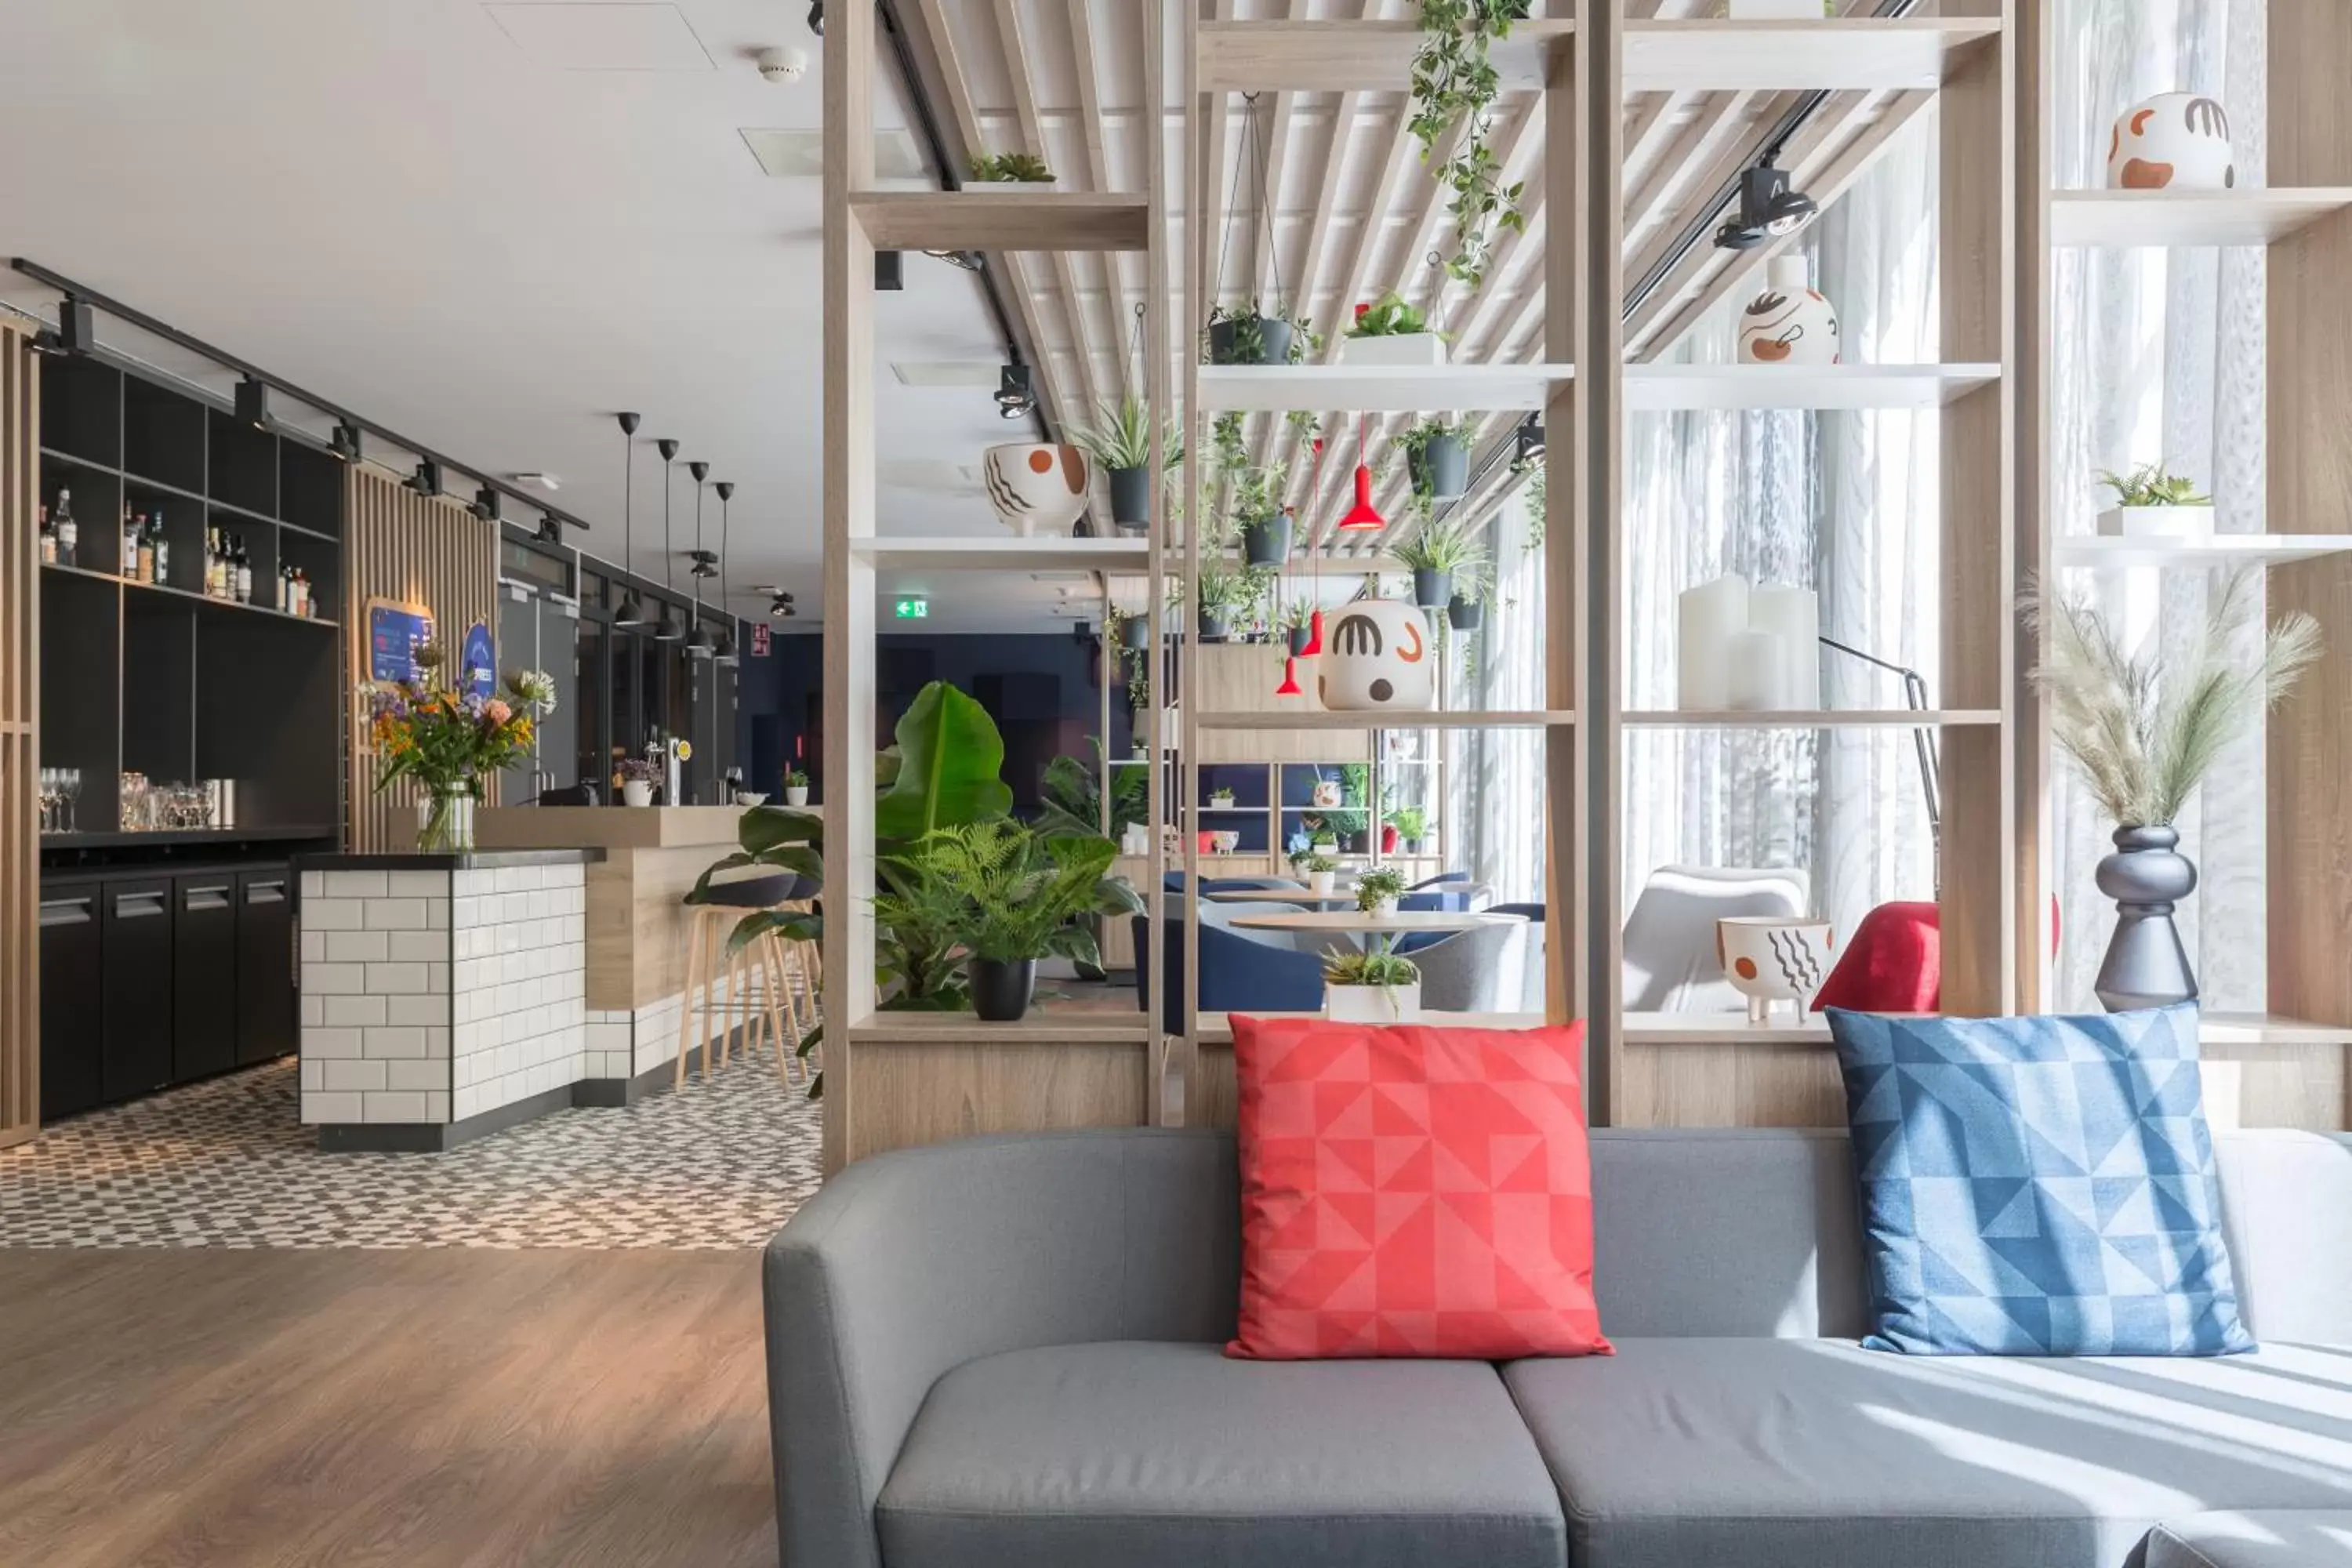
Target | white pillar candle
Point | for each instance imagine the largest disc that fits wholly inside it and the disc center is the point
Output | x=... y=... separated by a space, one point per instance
x=1795 y=615
x=1710 y=615
x=1757 y=673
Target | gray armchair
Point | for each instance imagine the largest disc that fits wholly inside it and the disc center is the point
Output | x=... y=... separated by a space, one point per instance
x=1482 y=969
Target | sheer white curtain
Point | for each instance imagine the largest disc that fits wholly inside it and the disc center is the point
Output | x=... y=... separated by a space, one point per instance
x=2157 y=356
x=1492 y=817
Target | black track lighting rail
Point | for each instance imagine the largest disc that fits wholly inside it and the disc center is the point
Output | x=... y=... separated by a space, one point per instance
x=82 y=295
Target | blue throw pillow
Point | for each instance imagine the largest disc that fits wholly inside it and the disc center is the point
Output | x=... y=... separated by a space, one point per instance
x=2037 y=1187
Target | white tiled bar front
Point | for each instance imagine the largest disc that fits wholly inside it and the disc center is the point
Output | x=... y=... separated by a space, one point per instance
x=443 y=996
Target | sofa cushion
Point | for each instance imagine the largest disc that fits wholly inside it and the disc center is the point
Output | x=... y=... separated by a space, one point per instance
x=1819 y=1453
x=2281 y=1540
x=1171 y=1456
x=2038 y=1186
x=1412 y=1191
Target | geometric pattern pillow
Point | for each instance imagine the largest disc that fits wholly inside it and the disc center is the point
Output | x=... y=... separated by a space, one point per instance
x=1412 y=1191
x=2037 y=1187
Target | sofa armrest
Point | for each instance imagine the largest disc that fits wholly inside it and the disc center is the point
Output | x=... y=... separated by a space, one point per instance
x=908 y=1265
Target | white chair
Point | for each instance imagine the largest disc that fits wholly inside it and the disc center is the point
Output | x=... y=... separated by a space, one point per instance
x=1671 y=963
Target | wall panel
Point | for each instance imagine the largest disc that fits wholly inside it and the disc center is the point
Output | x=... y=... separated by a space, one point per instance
x=20 y=751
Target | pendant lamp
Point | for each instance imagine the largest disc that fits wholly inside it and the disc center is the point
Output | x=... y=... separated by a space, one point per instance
x=631 y=612
x=1363 y=517
x=1289 y=687
x=698 y=641
x=1315 y=619
x=667 y=630
x=726 y=654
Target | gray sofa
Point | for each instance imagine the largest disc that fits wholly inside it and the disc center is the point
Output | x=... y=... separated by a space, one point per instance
x=1007 y=1352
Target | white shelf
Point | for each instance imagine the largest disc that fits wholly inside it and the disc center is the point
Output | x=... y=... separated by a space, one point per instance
x=1377 y=389
x=1908 y=52
x=1316 y=719
x=1835 y=387
x=1811 y=718
x=983 y=553
x=2130 y=218
x=2105 y=552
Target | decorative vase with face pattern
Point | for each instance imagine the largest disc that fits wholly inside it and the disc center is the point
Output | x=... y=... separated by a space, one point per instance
x=1377 y=657
x=1771 y=958
x=2173 y=142
x=1789 y=322
x=1037 y=489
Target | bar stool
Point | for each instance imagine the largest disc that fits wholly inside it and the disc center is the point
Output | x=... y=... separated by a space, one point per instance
x=711 y=966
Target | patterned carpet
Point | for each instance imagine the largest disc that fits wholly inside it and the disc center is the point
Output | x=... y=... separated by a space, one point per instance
x=225 y=1163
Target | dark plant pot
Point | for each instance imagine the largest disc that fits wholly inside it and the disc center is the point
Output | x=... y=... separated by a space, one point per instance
x=1000 y=990
x=1465 y=614
x=1213 y=627
x=1299 y=637
x=1432 y=590
x=1131 y=497
x=1413 y=846
x=1266 y=543
x=1442 y=467
x=1273 y=347
x=1353 y=843
x=2146 y=966
x=1135 y=631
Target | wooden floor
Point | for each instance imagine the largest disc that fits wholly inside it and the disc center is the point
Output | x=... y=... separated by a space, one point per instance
x=437 y=1409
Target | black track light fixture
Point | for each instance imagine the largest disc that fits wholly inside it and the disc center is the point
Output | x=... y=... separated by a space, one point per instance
x=253 y=401
x=1769 y=207
x=726 y=654
x=1015 y=398
x=668 y=628
x=488 y=504
x=348 y=443
x=780 y=606
x=816 y=17
x=76 y=326
x=426 y=480
x=631 y=612
x=889 y=271
x=1527 y=443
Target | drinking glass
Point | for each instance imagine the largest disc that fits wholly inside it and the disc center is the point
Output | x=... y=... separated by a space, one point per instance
x=70 y=785
x=48 y=788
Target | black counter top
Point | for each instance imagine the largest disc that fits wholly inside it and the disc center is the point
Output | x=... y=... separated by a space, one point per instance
x=468 y=860
x=216 y=837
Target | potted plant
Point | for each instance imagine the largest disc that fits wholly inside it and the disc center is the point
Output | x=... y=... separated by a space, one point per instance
x=2143 y=736
x=1454 y=90
x=449 y=742
x=1441 y=552
x=1436 y=460
x=1296 y=624
x=1370 y=988
x=1009 y=172
x=1265 y=520
x=1244 y=334
x=1412 y=825
x=2153 y=504
x=1023 y=895
x=1390 y=331
x=639 y=777
x=1377 y=890
x=1225 y=595
x=1320 y=869
x=1221 y=800
x=1119 y=443
x=796 y=787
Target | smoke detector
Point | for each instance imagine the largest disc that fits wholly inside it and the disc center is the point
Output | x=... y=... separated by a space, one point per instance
x=785 y=66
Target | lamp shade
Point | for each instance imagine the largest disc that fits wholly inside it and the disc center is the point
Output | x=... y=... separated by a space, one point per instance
x=1363 y=516
x=631 y=612
x=668 y=628
x=1289 y=687
x=1314 y=635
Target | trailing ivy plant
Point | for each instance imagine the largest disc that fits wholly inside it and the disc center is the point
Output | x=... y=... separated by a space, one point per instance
x=1454 y=90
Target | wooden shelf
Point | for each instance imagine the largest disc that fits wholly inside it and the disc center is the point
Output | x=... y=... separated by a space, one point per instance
x=1037 y=1029
x=1377 y=389
x=1836 y=386
x=2147 y=218
x=1351 y=57
x=1042 y=220
x=983 y=553
x=1910 y=52
x=1733 y=1029
x=1811 y=718
x=2105 y=552
x=1318 y=719
x=206 y=600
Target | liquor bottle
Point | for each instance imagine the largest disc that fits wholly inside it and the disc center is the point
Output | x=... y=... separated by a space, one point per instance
x=302 y=593
x=211 y=563
x=130 y=531
x=285 y=600
x=163 y=548
x=69 y=535
x=49 y=539
x=243 y=571
x=146 y=557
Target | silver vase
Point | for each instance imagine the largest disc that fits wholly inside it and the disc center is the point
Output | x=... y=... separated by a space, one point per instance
x=2146 y=966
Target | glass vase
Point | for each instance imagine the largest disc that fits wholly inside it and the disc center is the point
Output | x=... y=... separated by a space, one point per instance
x=445 y=820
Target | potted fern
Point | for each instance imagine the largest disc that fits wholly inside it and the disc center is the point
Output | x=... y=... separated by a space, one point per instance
x=2143 y=736
x=1370 y=988
x=1003 y=172
x=1023 y=895
x=1377 y=890
x=1390 y=331
x=1436 y=458
x=1441 y=553
x=1119 y=443
x=2153 y=504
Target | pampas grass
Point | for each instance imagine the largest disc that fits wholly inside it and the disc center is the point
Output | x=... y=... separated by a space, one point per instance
x=2144 y=736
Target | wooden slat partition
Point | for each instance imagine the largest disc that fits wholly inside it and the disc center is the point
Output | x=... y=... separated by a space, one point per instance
x=412 y=548
x=20 y=740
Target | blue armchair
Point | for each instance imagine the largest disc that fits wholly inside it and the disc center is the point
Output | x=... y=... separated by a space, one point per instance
x=1239 y=973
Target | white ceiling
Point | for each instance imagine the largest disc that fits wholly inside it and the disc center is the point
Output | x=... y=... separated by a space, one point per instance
x=490 y=226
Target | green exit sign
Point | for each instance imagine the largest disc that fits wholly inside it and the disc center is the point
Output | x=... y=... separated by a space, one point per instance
x=913 y=609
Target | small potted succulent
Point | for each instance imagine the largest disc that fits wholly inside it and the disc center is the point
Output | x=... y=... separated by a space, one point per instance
x=1221 y=800
x=638 y=778
x=1246 y=334
x=1320 y=870
x=796 y=787
x=1436 y=458
x=1390 y=331
x=2153 y=504
x=1006 y=172
x=1377 y=890
x=1370 y=988
x=1119 y=443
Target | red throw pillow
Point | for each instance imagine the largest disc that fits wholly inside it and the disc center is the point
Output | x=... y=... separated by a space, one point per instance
x=1414 y=1192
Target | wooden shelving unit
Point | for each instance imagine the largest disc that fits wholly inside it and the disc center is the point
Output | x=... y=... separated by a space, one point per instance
x=1350 y=57
x=2130 y=219
x=1812 y=719
x=1845 y=53
x=1675 y=387
x=1377 y=389
x=2101 y=554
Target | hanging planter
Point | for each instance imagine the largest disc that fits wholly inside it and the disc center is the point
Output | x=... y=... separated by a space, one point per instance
x=1437 y=460
x=1119 y=442
x=1298 y=638
x=1266 y=541
x=1212 y=624
x=1464 y=614
x=1131 y=498
x=1243 y=336
x=1134 y=631
x=1432 y=590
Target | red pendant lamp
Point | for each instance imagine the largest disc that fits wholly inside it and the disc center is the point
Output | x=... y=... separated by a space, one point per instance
x=1289 y=687
x=1363 y=517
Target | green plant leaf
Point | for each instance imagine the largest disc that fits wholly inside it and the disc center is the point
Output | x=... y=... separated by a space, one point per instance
x=949 y=757
x=763 y=828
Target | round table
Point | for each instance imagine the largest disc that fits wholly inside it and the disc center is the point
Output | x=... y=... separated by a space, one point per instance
x=1281 y=896
x=1404 y=922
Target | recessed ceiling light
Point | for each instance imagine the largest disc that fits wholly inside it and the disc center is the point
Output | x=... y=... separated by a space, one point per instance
x=785 y=154
x=948 y=372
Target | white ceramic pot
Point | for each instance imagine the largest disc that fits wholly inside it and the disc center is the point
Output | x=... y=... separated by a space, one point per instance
x=1377 y=658
x=1036 y=489
x=2156 y=522
x=1383 y=909
x=796 y=794
x=1790 y=323
x=1770 y=959
x=1135 y=840
x=1221 y=800
x=636 y=792
x=1398 y=347
x=1320 y=881
x=748 y=798
x=2173 y=142
x=1371 y=1004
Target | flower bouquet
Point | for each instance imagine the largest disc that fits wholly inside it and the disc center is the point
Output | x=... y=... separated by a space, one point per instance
x=449 y=740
